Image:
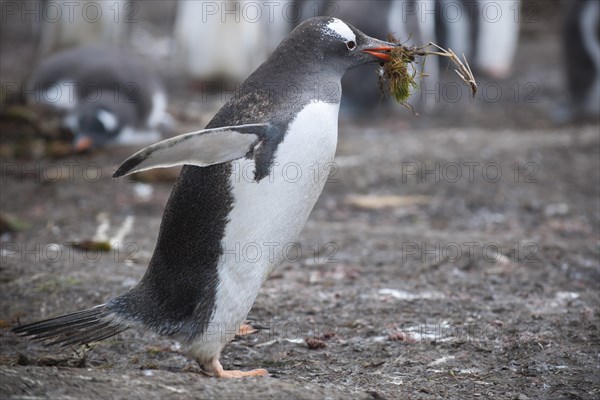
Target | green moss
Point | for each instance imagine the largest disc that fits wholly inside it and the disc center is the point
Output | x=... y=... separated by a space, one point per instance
x=399 y=81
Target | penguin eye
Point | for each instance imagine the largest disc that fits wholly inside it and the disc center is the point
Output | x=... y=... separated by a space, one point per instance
x=351 y=45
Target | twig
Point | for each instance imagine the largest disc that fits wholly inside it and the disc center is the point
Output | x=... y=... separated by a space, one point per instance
x=464 y=70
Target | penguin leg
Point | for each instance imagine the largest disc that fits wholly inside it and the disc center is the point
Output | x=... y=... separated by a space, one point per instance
x=217 y=370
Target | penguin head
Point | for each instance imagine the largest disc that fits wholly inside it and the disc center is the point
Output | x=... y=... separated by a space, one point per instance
x=335 y=44
x=94 y=126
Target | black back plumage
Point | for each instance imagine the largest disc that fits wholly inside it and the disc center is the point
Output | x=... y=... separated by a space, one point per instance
x=168 y=299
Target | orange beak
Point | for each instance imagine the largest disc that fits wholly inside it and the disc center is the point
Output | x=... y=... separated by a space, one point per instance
x=82 y=144
x=380 y=52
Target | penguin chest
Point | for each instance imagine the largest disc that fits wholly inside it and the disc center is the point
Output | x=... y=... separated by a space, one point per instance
x=275 y=208
x=268 y=215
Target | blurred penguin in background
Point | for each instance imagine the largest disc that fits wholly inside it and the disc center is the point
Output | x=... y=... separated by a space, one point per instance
x=104 y=96
x=66 y=24
x=251 y=30
x=581 y=44
x=486 y=31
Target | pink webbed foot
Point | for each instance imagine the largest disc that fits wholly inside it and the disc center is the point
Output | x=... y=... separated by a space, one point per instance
x=216 y=369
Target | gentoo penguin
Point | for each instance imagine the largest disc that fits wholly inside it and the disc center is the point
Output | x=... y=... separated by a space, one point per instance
x=581 y=46
x=105 y=95
x=280 y=125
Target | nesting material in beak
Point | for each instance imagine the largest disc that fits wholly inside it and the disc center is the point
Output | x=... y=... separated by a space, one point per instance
x=396 y=78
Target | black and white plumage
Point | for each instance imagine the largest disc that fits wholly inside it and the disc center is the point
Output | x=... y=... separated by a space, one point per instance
x=195 y=290
x=581 y=47
x=105 y=96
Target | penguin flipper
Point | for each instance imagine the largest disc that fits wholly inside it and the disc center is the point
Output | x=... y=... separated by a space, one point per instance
x=201 y=148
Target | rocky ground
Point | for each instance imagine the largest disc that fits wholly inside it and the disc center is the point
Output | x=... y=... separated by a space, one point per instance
x=454 y=256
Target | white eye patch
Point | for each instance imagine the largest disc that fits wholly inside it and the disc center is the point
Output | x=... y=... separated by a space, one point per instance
x=108 y=119
x=337 y=27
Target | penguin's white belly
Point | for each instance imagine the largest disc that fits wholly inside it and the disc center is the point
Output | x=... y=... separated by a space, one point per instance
x=268 y=216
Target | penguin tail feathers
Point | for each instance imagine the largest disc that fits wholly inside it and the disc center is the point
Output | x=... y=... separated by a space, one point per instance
x=77 y=328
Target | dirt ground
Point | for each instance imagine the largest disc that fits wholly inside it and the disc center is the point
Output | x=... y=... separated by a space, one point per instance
x=451 y=257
